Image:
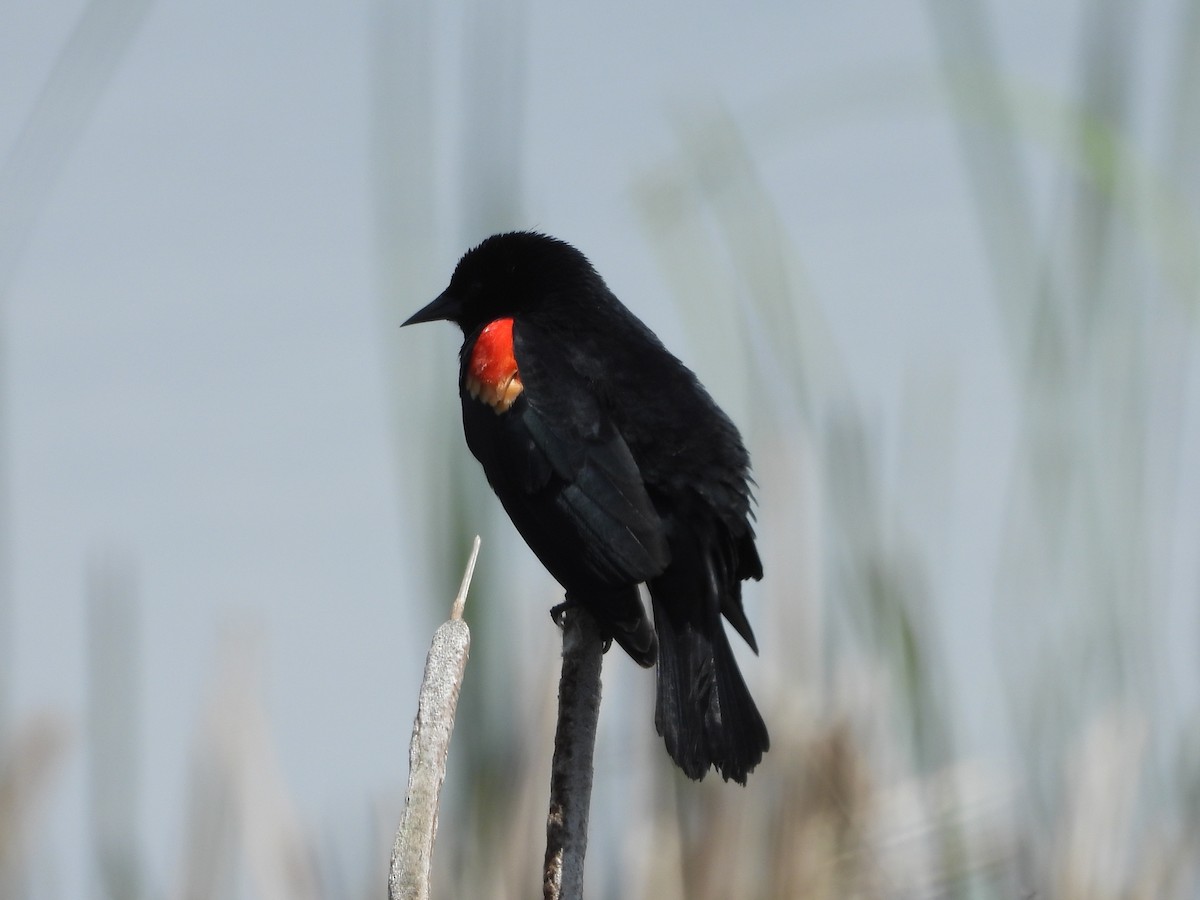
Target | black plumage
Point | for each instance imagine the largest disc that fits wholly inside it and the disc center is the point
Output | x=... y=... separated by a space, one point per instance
x=618 y=469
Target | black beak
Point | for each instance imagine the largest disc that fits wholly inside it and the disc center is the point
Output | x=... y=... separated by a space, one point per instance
x=445 y=307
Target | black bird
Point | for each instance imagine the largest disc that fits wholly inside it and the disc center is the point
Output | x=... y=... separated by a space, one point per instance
x=618 y=469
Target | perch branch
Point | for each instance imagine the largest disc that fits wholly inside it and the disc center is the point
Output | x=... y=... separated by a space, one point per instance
x=574 y=747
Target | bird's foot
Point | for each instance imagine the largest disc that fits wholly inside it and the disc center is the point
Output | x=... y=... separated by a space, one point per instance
x=557 y=612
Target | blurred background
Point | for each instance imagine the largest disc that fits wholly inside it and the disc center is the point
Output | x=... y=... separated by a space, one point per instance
x=940 y=261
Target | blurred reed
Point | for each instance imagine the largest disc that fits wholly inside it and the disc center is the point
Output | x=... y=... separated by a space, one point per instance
x=114 y=737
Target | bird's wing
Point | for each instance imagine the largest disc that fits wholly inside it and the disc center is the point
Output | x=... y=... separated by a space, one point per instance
x=565 y=473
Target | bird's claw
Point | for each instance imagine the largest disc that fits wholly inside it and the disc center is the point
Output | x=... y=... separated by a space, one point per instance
x=556 y=612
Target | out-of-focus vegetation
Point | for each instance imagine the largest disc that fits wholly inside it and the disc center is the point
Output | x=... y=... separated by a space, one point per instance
x=869 y=790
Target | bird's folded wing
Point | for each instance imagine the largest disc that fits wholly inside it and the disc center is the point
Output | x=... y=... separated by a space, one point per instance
x=570 y=449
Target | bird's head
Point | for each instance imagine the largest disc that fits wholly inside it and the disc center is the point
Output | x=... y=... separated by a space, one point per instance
x=510 y=275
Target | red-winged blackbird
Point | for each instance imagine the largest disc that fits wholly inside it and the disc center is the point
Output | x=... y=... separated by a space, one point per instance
x=618 y=469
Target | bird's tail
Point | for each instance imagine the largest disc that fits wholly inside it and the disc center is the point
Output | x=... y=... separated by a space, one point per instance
x=704 y=712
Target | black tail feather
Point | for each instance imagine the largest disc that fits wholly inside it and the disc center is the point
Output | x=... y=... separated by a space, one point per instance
x=705 y=712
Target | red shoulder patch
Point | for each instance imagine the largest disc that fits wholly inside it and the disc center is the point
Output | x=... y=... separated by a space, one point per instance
x=492 y=374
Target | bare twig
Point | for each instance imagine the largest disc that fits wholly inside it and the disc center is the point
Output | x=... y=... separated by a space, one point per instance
x=444 y=668
x=574 y=746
